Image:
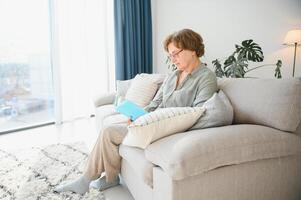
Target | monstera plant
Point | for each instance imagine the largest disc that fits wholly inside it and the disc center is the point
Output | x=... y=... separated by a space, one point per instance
x=236 y=65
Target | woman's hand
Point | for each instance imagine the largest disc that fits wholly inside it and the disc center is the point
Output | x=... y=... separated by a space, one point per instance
x=129 y=121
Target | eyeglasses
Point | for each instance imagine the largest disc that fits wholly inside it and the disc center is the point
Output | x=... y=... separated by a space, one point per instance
x=175 y=54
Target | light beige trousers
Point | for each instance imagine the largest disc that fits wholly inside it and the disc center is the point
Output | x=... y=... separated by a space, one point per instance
x=105 y=154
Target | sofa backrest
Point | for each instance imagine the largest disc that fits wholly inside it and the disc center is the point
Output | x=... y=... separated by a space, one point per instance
x=271 y=102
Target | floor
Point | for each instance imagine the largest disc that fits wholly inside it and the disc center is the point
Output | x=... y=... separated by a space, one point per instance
x=78 y=130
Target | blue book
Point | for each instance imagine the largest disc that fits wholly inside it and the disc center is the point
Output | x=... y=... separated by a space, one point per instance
x=130 y=110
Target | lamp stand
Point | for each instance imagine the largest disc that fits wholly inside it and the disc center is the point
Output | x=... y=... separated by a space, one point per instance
x=294 y=59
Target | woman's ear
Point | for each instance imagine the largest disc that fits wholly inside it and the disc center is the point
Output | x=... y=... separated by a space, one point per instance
x=193 y=53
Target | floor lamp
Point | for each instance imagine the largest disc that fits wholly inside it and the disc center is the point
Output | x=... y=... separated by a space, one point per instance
x=293 y=38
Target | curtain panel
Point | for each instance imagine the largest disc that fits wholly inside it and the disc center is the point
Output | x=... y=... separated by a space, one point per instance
x=81 y=55
x=133 y=38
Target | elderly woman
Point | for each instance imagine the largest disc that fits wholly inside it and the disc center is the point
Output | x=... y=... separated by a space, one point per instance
x=188 y=86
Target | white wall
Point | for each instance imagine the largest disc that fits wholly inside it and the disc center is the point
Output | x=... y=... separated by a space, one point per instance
x=223 y=23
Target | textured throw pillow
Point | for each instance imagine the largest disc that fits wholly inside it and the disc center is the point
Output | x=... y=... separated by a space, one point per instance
x=161 y=123
x=143 y=88
x=219 y=112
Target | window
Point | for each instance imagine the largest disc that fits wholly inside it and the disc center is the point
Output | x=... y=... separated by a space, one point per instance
x=26 y=86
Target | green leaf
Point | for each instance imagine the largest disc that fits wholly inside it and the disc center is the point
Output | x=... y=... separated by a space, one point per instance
x=277 y=70
x=250 y=50
x=236 y=69
x=218 y=68
x=229 y=60
x=171 y=66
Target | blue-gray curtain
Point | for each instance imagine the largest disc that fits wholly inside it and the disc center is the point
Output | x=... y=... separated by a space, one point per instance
x=133 y=38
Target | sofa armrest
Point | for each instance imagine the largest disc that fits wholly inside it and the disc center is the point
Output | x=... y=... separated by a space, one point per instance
x=104 y=99
x=191 y=153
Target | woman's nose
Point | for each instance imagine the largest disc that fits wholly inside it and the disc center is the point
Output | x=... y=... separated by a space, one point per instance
x=173 y=59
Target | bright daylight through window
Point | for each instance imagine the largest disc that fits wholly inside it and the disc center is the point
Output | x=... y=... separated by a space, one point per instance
x=26 y=87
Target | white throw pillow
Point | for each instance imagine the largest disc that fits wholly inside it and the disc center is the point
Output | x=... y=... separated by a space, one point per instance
x=143 y=88
x=219 y=112
x=161 y=123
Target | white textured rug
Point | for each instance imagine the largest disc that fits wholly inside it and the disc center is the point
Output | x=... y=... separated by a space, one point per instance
x=31 y=174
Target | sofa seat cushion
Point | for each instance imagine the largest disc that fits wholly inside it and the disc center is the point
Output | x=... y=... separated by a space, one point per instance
x=136 y=158
x=101 y=113
x=194 y=152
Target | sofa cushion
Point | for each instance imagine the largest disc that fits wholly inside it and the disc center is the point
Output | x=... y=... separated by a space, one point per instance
x=135 y=157
x=195 y=152
x=272 y=102
x=161 y=123
x=219 y=112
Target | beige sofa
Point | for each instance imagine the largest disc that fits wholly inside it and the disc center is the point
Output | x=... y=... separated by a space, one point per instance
x=258 y=157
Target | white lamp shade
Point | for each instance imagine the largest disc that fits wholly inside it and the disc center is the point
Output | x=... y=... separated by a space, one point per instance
x=292 y=37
